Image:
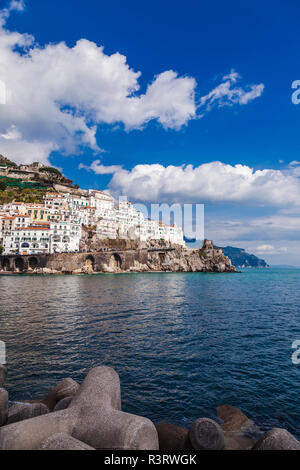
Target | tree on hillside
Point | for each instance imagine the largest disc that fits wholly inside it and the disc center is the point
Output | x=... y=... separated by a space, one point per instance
x=51 y=170
x=6 y=161
x=2 y=185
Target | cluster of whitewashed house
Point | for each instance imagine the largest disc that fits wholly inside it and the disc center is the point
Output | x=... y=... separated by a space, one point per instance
x=56 y=226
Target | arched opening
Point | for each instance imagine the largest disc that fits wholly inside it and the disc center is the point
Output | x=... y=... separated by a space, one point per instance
x=116 y=261
x=25 y=245
x=90 y=264
x=19 y=264
x=162 y=257
x=33 y=262
x=6 y=264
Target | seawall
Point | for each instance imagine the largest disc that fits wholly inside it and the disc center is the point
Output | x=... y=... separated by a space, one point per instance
x=169 y=259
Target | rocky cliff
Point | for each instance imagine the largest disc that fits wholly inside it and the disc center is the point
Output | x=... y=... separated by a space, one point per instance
x=189 y=260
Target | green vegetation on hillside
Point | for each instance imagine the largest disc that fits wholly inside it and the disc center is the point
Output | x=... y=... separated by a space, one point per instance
x=3 y=185
x=26 y=195
x=202 y=253
x=6 y=161
x=50 y=169
x=53 y=174
x=19 y=183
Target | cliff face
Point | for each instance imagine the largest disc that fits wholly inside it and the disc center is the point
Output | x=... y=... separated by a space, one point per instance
x=189 y=260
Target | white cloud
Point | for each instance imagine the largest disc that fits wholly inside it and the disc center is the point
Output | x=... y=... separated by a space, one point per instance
x=14 y=5
x=226 y=94
x=18 y=5
x=270 y=230
x=265 y=249
x=99 y=169
x=57 y=95
x=214 y=182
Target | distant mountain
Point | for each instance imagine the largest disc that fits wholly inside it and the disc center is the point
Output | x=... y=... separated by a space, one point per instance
x=241 y=259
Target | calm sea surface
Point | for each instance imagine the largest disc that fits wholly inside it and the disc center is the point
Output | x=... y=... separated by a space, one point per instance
x=182 y=343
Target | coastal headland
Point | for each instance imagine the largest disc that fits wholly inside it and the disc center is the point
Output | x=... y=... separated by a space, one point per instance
x=176 y=259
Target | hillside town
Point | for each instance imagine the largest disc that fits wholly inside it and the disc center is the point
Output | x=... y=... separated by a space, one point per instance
x=64 y=219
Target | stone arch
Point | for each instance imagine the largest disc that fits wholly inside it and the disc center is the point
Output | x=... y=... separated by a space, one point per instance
x=33 y=262
x=162 y=257
x=116 y=261
x=90 y=264
x=6 y=264
x=19 y=264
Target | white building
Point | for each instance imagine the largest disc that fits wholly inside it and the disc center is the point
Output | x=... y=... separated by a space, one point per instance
x=102 y=201
x=27 y=240
x=64 y=237
x=56 y=226
x=56 y=237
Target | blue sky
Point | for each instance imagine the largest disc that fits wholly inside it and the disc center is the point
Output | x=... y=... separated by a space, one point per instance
x=202 y=42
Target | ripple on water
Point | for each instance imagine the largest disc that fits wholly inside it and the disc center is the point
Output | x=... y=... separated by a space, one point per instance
x=182 y=343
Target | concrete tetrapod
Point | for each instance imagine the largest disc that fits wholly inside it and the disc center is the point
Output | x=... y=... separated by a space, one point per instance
x=93 y=417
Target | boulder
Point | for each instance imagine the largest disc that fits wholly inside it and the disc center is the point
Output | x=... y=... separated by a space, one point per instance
x=171 y=437
x=65 y=388
x=22 y=411
x=232 y=419
x=3 y=374
x=63 y=441
x=238 y=429
x=277 y=439
x=3 y=406
x=63 y=404
x=205 y=434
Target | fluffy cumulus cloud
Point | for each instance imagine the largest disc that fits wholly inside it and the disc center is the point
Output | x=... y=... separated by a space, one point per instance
x=228 y=94
x=14 y=5
x=213 y=182
x=99 y=169
x=57 y=96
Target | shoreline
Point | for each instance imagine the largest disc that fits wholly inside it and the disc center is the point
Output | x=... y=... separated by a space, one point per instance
x=4 y=273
